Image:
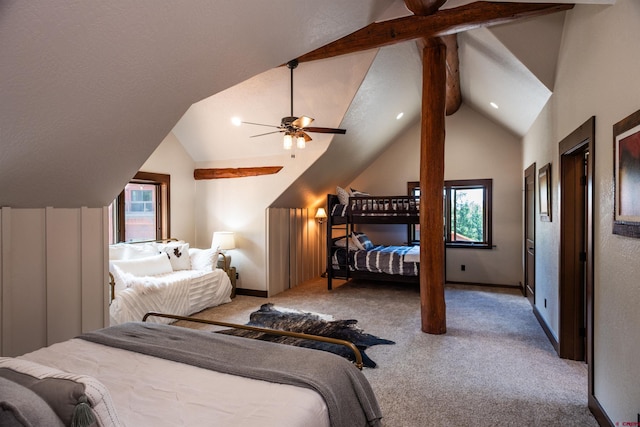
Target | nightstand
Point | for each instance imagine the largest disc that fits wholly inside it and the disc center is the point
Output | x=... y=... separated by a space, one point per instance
x=232 y=277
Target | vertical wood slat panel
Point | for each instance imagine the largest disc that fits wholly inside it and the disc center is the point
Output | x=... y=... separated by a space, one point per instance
x=94 y=275
x=24 y=323
x=64 y=274
x=277 y=250
x=295 y=248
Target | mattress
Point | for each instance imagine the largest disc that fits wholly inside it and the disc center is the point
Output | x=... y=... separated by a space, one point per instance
x=149 y=391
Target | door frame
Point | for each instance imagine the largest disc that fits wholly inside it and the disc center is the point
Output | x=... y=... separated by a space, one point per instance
x=580 y=139
x=529 y=172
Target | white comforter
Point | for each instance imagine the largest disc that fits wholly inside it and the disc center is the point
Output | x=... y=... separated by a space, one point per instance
x=148 y=391
x=182 y=292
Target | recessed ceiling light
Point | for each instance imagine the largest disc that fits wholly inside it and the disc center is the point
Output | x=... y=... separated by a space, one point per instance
x=399 y=116
x=237 y=121
x=494 y=105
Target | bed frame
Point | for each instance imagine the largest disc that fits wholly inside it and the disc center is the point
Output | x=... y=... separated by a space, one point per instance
x=358 y=356
x=366 y=210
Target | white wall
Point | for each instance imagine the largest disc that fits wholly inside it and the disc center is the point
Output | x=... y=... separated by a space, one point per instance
x=172 y=159
x=475 y=148
x=240 y=204
x=597 y=75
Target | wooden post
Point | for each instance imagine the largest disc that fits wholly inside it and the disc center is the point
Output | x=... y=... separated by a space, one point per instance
x=434 y=83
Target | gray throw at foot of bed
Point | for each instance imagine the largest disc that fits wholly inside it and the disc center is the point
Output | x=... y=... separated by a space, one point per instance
x=271 y=317
x=347 y=393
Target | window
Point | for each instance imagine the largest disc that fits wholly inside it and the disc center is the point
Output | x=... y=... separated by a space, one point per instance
x=141 y=211
x=467 y=213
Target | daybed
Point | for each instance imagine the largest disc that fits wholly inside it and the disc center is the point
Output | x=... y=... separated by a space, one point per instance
x=351 y=254
x=166 y=277
x=141 y=374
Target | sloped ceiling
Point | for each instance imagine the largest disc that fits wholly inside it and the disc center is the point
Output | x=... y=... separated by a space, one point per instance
x=90 y=89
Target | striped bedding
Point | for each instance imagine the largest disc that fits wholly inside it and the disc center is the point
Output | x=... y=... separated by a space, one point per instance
x=380 y=259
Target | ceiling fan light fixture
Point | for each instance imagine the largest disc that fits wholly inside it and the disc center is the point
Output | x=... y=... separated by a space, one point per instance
x=288 y=141
x=300 y=142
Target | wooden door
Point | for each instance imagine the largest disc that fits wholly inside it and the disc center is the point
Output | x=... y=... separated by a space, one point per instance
x=530 y=233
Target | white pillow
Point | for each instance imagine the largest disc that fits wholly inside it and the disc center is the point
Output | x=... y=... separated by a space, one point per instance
x=343 y=195
x=149 y=266
x=140 y=250
x=178 y=254
x=203 y=259
x=117 y=251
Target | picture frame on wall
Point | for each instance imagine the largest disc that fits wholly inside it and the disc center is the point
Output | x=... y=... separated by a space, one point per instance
x=626 y=176
x=544 y=192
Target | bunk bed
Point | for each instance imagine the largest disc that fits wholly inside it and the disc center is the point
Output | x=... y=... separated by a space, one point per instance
x=351 y=255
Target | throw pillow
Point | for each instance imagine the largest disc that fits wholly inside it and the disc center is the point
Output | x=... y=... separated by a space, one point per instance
x=343 y=195
x=361 y=241
x=203 y=259
x=178 y=255
x=21 y=406
x=149 y=266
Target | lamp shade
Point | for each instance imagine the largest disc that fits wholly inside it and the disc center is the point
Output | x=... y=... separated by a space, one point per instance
x=223 y=240
x=321 y=214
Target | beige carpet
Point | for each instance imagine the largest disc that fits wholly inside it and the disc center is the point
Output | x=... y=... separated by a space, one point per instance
x=493 y=367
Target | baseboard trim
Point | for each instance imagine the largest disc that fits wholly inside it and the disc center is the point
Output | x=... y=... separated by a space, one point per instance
x=493 y=285
x=547 y=330
x=252 y=293
x=599 y=413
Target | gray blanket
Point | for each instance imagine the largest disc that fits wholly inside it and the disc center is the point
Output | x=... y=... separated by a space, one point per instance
x=347 y=393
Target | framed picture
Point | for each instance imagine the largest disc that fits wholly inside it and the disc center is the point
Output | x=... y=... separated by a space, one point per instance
x=544 y=192
x=626 y=176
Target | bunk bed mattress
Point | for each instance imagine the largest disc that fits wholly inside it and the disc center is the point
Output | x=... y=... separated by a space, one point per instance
x=150 y=391
x=380 y=259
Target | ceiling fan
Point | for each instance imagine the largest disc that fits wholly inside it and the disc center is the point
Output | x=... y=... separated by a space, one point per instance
x=295 y=128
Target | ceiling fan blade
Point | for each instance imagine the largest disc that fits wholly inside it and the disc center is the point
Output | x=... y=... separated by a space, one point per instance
x=259 y=124
x=302 y=122
x=268 y=133
x=325 y=130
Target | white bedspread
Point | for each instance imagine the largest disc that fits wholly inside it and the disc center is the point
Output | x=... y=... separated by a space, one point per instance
x=148 y=391
x=413 y=255
x=182 y=292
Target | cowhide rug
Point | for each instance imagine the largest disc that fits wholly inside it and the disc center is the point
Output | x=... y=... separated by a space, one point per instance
x=272 y=317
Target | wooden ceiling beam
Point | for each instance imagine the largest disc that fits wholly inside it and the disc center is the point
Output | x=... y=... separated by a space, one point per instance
x=441 y=23
x=218 y=173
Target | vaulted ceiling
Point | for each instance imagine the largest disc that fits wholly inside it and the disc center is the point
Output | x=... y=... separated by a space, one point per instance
x=89 y=89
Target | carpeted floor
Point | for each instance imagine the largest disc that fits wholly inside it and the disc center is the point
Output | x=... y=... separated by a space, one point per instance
x=493 y=367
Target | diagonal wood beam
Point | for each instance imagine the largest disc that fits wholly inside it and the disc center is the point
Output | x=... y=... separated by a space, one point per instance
x=441 y=23
x=423 y=7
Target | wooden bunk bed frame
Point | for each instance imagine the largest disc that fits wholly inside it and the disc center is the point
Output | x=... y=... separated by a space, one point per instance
x=366 y=210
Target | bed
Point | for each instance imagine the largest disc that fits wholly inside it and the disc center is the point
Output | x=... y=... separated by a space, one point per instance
x=352 y=255
x=149 y=374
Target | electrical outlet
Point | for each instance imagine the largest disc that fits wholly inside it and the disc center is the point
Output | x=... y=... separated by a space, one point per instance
x=463 y=267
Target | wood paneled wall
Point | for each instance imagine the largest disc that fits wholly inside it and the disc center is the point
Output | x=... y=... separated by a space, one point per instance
x=295 y=248
x=53 y=275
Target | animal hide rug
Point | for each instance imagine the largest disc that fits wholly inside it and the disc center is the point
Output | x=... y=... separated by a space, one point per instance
x=272 y=317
